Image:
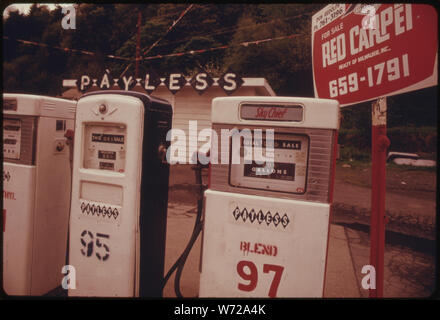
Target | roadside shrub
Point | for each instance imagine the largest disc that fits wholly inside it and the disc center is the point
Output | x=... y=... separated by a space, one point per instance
x=413 y=139
x=357 y=142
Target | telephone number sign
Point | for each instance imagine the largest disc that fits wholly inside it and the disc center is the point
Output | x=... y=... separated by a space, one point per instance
x=363 y=52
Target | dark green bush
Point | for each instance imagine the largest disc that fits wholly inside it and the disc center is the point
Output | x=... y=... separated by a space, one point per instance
x=357 y=146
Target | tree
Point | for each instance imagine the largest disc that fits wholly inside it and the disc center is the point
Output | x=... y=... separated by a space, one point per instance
x=285 y=63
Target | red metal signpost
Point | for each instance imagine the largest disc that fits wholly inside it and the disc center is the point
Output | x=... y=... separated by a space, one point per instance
x=368 y=52
x=379 y=147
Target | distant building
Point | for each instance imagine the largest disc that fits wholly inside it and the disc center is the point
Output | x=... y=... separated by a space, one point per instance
x=72 y=94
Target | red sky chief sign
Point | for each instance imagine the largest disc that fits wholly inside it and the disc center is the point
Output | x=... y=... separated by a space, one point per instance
x=363 y=52
x=271 y=112
x=200 y=82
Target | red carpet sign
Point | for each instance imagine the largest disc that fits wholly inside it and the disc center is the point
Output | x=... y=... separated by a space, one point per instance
x=363 y=52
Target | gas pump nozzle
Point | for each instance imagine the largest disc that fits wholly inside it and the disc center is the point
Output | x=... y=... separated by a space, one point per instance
x=198 y=168
x=69 y=135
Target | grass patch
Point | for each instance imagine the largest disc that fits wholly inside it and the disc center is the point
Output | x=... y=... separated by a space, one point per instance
x=356 y=164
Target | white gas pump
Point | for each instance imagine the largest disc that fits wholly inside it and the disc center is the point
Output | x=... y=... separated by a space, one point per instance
x=119 y=194
x=36 y=191
x=266 y=226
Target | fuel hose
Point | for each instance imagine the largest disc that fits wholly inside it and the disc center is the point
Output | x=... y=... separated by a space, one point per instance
x=198 y=226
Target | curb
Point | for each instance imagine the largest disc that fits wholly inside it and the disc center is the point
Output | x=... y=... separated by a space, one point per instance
x=404 y=223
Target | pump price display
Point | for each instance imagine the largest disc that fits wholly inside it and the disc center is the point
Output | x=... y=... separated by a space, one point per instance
x=105 y=147
x=287 y=173
x=280 y=171
x=11 y=138
x=362 y=52
x=108 y=155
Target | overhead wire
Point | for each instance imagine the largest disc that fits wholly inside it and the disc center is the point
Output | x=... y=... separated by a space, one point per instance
x=65 y=49
x=232 y=29
x=159 y=56
x=244 y=43
x=86 y=52
x=174 y=13
x=166 y=15
x=184 y=12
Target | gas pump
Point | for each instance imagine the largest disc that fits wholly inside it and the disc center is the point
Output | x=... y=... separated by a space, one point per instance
x=119 y=194
x=266 y=224
x=36 y=191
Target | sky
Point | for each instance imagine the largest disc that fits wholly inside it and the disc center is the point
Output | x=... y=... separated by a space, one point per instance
x=24 y=7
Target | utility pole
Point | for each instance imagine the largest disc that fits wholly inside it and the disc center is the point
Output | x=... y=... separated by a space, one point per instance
x=138 y=43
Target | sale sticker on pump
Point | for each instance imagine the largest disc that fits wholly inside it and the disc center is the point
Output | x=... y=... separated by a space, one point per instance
x=363 y=52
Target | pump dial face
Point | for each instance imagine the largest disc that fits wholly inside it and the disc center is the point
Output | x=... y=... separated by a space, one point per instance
x=105 y=147
x=11 y=139
x=286 y=173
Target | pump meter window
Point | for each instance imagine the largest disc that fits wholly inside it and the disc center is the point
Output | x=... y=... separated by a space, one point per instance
x=11 y=138
x=104 y=147
x=289 y=170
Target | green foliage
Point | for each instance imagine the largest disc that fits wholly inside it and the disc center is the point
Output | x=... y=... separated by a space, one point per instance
x=356 y=144
x=111 y=29
x=414 y=109
x=413 y=139
x=286 y=64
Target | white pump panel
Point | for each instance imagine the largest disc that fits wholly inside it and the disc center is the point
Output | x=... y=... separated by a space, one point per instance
x=266 y=224
x=36 y=191
x=105 y=201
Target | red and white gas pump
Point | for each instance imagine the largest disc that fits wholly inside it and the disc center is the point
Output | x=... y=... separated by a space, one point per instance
x=266 y=224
